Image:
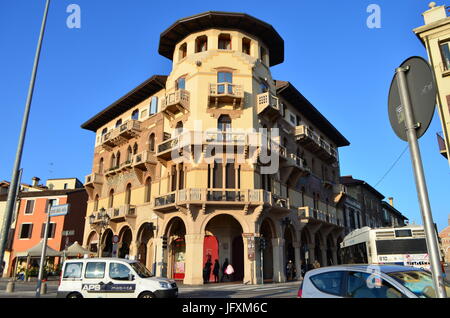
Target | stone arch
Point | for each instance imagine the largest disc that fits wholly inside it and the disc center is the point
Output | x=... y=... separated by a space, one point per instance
x=223 y=242
x=267 y=230
x=175 y=230
x=289 y=237
x=107 y=243
x=125 y=240
x=146 y=245
x=319 y=243
x=240 y=220
x=92 y=242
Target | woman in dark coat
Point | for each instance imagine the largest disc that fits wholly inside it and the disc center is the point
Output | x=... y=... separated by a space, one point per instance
x=216 y=271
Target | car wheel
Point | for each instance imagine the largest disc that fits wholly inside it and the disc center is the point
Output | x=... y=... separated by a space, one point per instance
x=74 y=295
x=147 y=295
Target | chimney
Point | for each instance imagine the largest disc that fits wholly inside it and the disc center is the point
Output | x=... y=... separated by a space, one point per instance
x=435 y=13
x=391 y=201
x=35 y=181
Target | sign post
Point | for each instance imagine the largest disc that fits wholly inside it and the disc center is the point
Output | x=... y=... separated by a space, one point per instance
x=57 y=210
x=412 y=101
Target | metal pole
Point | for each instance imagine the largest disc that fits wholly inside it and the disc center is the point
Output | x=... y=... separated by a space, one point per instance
x=43 y=256
x=15 y=171
x=411 y=126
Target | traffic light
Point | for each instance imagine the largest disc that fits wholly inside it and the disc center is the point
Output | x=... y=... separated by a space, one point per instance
x=262 y=243
x=164 y=242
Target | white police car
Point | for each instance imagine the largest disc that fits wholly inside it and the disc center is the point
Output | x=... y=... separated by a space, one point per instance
x=112 y=278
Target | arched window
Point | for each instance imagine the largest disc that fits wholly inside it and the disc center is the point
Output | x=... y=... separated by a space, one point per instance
x=113 y=161
x=224 y=42
x=135 y=115
x=148 y=189
x=96 y=203
x=128 y=194
x=179 y=128
x=180 y=83
x=135 y=149
x=118 y=159
x=151 y=142
x=201 y=44
x=129 y=153
x=183 y=51
x=104 y=131
x=100 y=166
x=224 y=125
x=118 y=123
x=111 y=199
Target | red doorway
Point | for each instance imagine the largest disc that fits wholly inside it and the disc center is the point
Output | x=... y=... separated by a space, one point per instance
x=211 y=252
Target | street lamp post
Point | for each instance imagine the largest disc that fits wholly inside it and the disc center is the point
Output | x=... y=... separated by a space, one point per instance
x=100 y=224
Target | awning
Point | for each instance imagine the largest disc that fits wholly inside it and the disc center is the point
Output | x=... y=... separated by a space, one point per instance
x=36 y=251
x=76 y=249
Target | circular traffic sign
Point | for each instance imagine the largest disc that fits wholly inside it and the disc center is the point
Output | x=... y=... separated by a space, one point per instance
x=115 y=239
x=422 y=92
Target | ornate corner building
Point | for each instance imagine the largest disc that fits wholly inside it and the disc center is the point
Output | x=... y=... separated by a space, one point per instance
x=180 y=170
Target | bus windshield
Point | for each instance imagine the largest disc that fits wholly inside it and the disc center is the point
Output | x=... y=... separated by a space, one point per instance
x=419 y=282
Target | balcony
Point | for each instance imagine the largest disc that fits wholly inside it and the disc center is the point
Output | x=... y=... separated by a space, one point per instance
x=127 y=165
x=441 y=143
x=121 y=214
x=143 y=160
x=312 y=141
x=112 y=171
x=309 y=214
x=226 y=93
x=121 y=134
x=226 y=197
x=176 y=102
x=93 y=179
x=268 y=104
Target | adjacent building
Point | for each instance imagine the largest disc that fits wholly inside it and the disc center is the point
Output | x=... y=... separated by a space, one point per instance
x=435 y=36
x=391 y=216
x=32 y=209
x=444 y=236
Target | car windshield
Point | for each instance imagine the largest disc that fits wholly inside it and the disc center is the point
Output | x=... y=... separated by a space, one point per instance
x=141 y=270
x=419 y=282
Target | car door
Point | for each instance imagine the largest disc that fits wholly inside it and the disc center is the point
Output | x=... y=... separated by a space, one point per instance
x=93 y=285
x=369 y=285
x=122 y=281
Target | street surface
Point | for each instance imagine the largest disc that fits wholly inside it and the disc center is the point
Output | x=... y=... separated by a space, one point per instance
x=287 y=290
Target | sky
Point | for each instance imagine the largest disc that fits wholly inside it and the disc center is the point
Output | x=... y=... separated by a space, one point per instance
x=343 y=67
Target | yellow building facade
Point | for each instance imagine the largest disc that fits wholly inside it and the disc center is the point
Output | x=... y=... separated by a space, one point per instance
x=435 y=35
x=183 y=169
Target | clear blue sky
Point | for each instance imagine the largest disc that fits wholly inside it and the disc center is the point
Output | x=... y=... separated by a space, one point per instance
x=340 y=65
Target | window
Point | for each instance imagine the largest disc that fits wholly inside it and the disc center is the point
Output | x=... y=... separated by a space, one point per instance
x=135 y=149
x=111 y=199
x=29 y=207
x=418 y=282
x=224 y=42
x=174 y=178
x=73 y=270
x=180 y=83
x=129 y=154
x=96 y=203
x=50 y=203
x=135 y=115
x=100 y=166
x=148 y=189
x=365 y=285
x=118 y=123
x=329 y=283
x=445 y=52
x=65 y=186
x=182 y=51
x=119 y=271
x=263 y=87
x=246 y=44
x=104 y=131
x=26 y=231
x=51 y=230
x=128 y=194
x=201 y=44
x=263 y=54
x=154 y=105
x=151 y=142
x=95 y=270
x=143 y=113
x=224 y=77
x=298 y=120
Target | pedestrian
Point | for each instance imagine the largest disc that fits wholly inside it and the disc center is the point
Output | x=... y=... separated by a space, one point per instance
x=316 y=264
x=290 y=270
x=224 y=268
x=216 y=270
x=208 y=265
x=229 y=271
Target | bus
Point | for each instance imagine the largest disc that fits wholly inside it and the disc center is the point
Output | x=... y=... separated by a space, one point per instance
x=395 y=246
